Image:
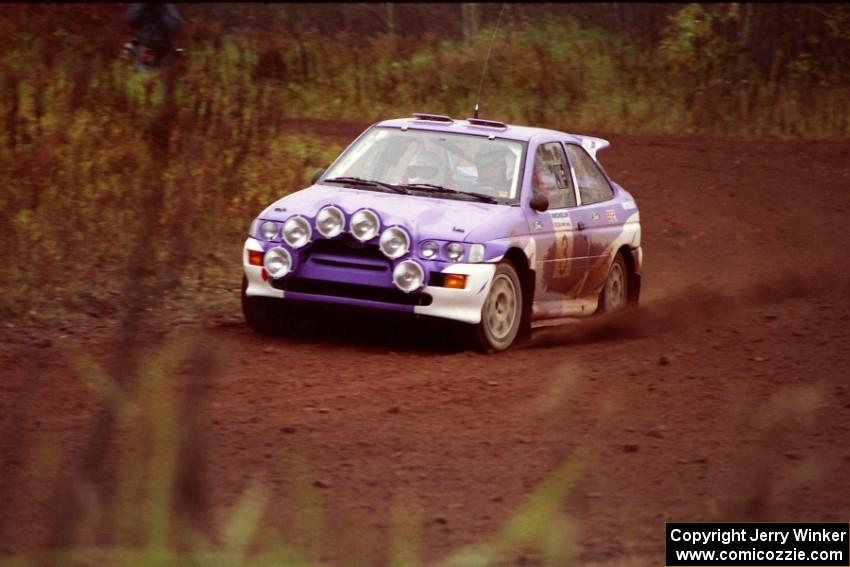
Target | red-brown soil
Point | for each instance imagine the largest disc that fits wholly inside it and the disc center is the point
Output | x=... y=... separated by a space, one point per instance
x=724 y=397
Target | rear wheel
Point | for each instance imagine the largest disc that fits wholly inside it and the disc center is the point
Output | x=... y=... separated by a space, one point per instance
x=615 y=294
x=263 y=314
x=501 y=314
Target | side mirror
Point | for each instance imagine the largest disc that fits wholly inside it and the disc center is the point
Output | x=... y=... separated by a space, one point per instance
x=539 y=202
x=317 y=174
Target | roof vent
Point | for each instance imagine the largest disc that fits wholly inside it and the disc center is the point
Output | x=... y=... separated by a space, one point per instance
x=433 y=117
x=487 y=123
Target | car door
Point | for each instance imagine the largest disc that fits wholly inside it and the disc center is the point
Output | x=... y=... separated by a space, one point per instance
x=561 y=252
x=596 y=218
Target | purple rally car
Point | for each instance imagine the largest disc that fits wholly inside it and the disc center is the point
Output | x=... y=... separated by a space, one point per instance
x=501 y=228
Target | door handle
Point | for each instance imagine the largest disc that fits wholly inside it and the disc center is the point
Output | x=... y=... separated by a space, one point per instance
x=580 y=225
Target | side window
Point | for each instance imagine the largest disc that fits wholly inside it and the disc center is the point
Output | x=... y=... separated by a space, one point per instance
x=551 y=176
x=592 y=185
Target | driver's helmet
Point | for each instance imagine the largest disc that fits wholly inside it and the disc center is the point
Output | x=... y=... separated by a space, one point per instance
x=424 y=168
x=492 y=156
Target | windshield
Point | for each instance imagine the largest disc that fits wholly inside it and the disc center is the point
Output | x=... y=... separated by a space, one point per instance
x=423 y=160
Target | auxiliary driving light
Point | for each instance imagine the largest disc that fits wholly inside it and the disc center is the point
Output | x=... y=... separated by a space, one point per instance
x=365 y=225
x=408 y=276
x=297 y=232
x=278 y=262
x=268 y=230
x=394 y=243
x=330 y=222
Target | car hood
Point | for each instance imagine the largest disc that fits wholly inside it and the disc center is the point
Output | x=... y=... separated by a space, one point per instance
x=425 y=217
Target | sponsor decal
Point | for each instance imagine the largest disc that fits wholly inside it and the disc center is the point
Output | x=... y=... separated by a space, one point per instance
x=563 y=244
x=611 y=215
x=561 y=221
x=538 y=226
x=629 y=205
x=561 y=224
x=594 y=215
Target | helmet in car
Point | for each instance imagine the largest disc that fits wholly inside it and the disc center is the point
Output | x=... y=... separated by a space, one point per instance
x=491 y=156
x=424 y=168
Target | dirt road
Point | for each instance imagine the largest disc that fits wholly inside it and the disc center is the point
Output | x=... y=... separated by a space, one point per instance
x=726 y=397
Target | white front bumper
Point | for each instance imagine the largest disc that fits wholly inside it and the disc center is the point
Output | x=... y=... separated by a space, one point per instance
x=254 y=274
x=460 y=304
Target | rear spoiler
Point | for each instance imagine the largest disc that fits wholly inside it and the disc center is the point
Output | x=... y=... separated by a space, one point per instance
x=593 y=145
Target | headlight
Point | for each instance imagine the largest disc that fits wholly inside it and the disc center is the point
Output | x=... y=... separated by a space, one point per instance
x=430 y=249
x=330 y=222
x=278 y=262
x=476 y=253
x=297 y=232
x=454 y=251
x=394 y=242
x=268 y=230
x=365 y=225
x=408 y=276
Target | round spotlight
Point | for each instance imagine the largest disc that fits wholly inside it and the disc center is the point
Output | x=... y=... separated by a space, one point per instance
x=430 y=249
x=365 y=225
x=278 y=262
x=408 y=276
x=268 y=230
x=454 y=251
x=394 y=242
x=330 y=222
x=297 y=232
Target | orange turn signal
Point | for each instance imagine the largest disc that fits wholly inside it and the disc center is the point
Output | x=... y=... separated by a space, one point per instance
x=455 y=281
x=255 y=258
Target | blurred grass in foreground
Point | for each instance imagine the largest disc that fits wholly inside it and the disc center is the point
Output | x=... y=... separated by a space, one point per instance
x=150 y=504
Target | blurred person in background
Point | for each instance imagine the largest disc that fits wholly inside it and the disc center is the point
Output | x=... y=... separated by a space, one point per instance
x=154 y=25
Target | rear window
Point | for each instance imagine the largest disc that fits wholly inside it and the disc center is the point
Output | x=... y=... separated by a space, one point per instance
x=593 y=187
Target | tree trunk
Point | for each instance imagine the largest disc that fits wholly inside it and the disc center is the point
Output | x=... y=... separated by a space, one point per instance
x=391 y=24
x=471 y=17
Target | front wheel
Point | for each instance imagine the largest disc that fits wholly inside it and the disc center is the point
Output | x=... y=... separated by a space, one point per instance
x=615 y=294
x=501 y=314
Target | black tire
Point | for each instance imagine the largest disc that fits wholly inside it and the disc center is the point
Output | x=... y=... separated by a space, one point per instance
x=501 y=315
x=615 y=292
x=263 y=314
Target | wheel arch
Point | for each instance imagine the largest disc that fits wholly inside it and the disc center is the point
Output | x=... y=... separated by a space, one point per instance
x=527 y=282
x=633 y=276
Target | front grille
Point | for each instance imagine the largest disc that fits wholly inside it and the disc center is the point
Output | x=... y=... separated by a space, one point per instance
x=345 y=263
x=350 y=248
x=351 y=291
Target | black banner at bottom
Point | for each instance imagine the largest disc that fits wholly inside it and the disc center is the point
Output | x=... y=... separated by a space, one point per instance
x=758 y=544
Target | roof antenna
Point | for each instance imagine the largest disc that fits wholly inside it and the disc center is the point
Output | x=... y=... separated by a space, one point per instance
x=489 y=50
